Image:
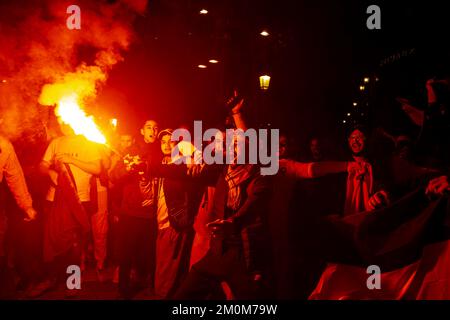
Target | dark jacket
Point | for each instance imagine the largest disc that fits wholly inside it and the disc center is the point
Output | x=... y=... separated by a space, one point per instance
x=137 y=191
x=183 y=194
x=250 y=220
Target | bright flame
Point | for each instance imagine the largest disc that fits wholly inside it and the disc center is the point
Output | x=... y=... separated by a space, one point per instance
x=70 y=112
x=114 y=123
x=69 y=95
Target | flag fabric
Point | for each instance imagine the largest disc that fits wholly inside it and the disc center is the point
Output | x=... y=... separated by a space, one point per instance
x=67 y=219
x=409 y=241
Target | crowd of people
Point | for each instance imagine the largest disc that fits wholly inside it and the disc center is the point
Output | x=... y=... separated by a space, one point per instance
x=196 y=231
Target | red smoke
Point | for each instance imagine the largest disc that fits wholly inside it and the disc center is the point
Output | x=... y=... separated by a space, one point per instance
x=37 y=48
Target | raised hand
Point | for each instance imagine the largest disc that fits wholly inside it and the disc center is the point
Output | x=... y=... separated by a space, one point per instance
x=234 y=103
x=379 y=199
x=416 y=115
x=438 y=186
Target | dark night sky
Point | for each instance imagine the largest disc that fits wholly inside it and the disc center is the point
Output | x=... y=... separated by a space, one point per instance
x=317 y=54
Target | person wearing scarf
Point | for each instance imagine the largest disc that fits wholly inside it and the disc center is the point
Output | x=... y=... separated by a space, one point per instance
x=359 y=187
x=235 y=177
x=238 y=254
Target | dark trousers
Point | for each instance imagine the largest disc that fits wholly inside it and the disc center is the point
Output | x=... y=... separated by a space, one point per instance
x=136 y=248
x=3 y=220
x=25 y=239
x=56 y=268
x=220 y=266
x=6 y=283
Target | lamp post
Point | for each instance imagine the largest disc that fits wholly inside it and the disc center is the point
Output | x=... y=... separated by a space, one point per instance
x=264 y=82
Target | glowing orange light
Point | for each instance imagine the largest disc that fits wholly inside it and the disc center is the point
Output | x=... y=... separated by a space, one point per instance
x=203 y=11
x=70 y=93
x=264 y=82
x=4 y=80
x=70 y=112
x=264 y=33
x=202 y=66
x=213 y=61
x=366 y=80
x=361 y=88
x=113 y=123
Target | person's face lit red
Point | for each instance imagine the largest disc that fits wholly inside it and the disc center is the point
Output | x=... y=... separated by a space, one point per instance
x=167 y=145
x=126 y=141
x=357 y=141
x=150 y=131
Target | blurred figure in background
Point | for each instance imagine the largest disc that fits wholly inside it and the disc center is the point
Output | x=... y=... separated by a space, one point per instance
x=70 y=162
x=11 y=171
x=136 y=234
x=316 y=150
x=433 y=143
x=125 y=146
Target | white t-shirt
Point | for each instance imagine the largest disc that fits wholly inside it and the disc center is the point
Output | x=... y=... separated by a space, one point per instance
x=162 y=210
x=80 y=148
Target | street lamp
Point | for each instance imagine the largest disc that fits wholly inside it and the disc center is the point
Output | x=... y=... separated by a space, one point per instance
x=264 y=82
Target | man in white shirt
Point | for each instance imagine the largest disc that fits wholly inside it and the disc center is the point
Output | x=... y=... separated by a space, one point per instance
x=11 y=170
x=80 y=159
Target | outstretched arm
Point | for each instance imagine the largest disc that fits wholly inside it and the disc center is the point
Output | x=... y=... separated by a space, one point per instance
x=92 y=167
x=431 y=94
x=300 y=170
x=16 y=182
x=236 y=111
